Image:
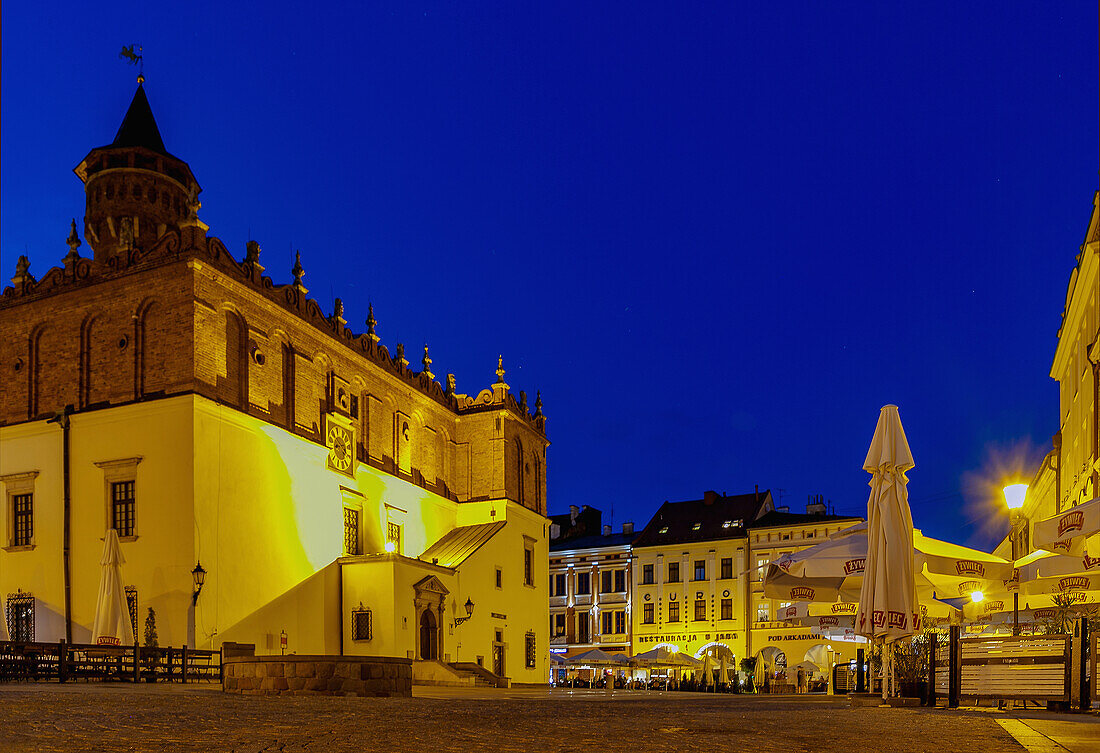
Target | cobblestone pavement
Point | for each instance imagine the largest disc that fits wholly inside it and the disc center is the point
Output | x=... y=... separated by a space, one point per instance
x=174 y=719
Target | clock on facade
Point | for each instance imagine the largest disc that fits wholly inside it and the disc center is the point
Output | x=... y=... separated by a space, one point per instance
x=341 y=448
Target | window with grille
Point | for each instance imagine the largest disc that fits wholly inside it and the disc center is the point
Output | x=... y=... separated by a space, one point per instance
x=727 y=567
x=700 y=610
x=529 y=650
x=20 y=614
x=727 y=609
x=647 y=614
x=393 y=536
x=674 y=611
x=122 y=507
x=23 y=515
x=132 y=607
x=362 y=628
x=351 y=531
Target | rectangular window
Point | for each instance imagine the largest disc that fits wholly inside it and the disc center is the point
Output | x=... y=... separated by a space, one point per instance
x=727 y=609
x=582 y=628
x=700 y=610
x=122 y=507
x=362 y=626
x=528 y=565
x=673 y=572
x=559 y=624
x=727 y=567
x=351 y=531
x=132 y=607
x=500 y=578
x=761 y=568
x=620 y=622
x=584 y=584
x=762 y=612
x=605 y=582
x=605 y=623
x=620 y=581
x=529 y=650
x=674 y=611
x=23 y=513
x=647 y=614
x=700 y=569
x=647 y=574
x=559 y=584
x=20 y=614
x=393 y=538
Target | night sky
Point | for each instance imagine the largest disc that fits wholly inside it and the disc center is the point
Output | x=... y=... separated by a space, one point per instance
x=717 y=238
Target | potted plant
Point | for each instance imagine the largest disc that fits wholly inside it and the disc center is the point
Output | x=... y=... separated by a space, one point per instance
x=150 y=658
x=748 y=666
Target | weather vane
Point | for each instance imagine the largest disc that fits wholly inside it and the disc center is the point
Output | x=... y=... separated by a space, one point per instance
x=133 y=56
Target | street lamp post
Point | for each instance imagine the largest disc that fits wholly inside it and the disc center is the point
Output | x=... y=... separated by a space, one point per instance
x=1014 y=499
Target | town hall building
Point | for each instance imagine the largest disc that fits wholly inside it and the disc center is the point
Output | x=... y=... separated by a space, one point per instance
x=340 y=499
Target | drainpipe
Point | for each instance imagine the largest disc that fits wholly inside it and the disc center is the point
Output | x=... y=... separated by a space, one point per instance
x=62 y=419
x=1095 y=417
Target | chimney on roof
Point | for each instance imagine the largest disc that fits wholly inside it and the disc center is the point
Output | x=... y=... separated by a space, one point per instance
x=815 y=504
x=607 y=530
x=555 y=531
x=783 y=508
x=628 y=526
x=710 y=497
x=574 y=511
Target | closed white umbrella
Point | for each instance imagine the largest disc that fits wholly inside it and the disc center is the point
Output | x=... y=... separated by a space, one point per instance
x=112 y=617
x=723 y=670
x=4 y=628
x=888 y=607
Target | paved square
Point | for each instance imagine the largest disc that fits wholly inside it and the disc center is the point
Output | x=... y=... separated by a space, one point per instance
x=174 y=718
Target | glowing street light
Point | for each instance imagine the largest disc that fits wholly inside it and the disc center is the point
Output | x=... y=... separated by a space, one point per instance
x=1014 y=500
x=977 y=597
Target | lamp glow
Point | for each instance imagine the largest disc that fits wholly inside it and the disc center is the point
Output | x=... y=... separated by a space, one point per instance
x=1014 y=495
x=391 y=546
x=977 y=596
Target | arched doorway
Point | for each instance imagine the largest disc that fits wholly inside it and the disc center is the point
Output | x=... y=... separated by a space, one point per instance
x=429 y=647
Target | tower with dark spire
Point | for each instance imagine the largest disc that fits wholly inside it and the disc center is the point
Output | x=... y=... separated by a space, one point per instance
x=135 y=191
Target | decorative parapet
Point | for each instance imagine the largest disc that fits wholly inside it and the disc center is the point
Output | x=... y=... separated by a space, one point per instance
x=192 y=242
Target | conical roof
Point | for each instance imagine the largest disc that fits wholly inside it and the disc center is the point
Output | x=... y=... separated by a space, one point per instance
x=139 y=128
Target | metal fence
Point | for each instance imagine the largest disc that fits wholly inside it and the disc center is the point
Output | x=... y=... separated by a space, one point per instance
x=61 y=662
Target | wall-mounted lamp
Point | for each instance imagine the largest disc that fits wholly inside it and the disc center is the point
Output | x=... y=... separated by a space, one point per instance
x=198 y=575
x=469 y=613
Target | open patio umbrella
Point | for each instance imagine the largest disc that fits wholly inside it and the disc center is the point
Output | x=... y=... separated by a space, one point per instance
x=888 y=609
x=593 y=656
x=111 y=626
x=1065 y=533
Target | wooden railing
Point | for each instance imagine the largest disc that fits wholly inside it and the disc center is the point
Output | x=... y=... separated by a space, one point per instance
x=72 y=661
x=1033 y=667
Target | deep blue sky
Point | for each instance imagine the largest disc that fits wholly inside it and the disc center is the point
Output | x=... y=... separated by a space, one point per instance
x=718 y=238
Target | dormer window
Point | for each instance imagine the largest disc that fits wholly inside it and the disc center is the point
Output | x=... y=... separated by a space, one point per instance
x=727 y=524
x=663 y=530
x=697 y=526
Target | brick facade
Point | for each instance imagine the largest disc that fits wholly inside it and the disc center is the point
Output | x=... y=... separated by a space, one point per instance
x=151 y=318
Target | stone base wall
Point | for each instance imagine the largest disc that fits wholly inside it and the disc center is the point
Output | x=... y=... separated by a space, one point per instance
x=318 y=675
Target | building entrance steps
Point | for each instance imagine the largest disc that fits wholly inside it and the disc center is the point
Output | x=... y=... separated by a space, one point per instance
x=482 y=676
x=438 y=673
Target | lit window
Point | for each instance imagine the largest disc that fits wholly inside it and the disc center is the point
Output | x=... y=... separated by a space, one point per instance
x=559 y=625
x=700 y=569
x=351 y=531
x=762 y=612
x=529 y=650
x=663 y=530
x=697 y=526
x=393 y=538
x=20 y=614
x=727 y=523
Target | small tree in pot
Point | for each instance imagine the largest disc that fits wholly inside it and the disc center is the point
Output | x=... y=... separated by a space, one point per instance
x=151 y=656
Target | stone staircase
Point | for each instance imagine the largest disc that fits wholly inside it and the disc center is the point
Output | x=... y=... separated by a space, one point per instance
x=482 y=677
